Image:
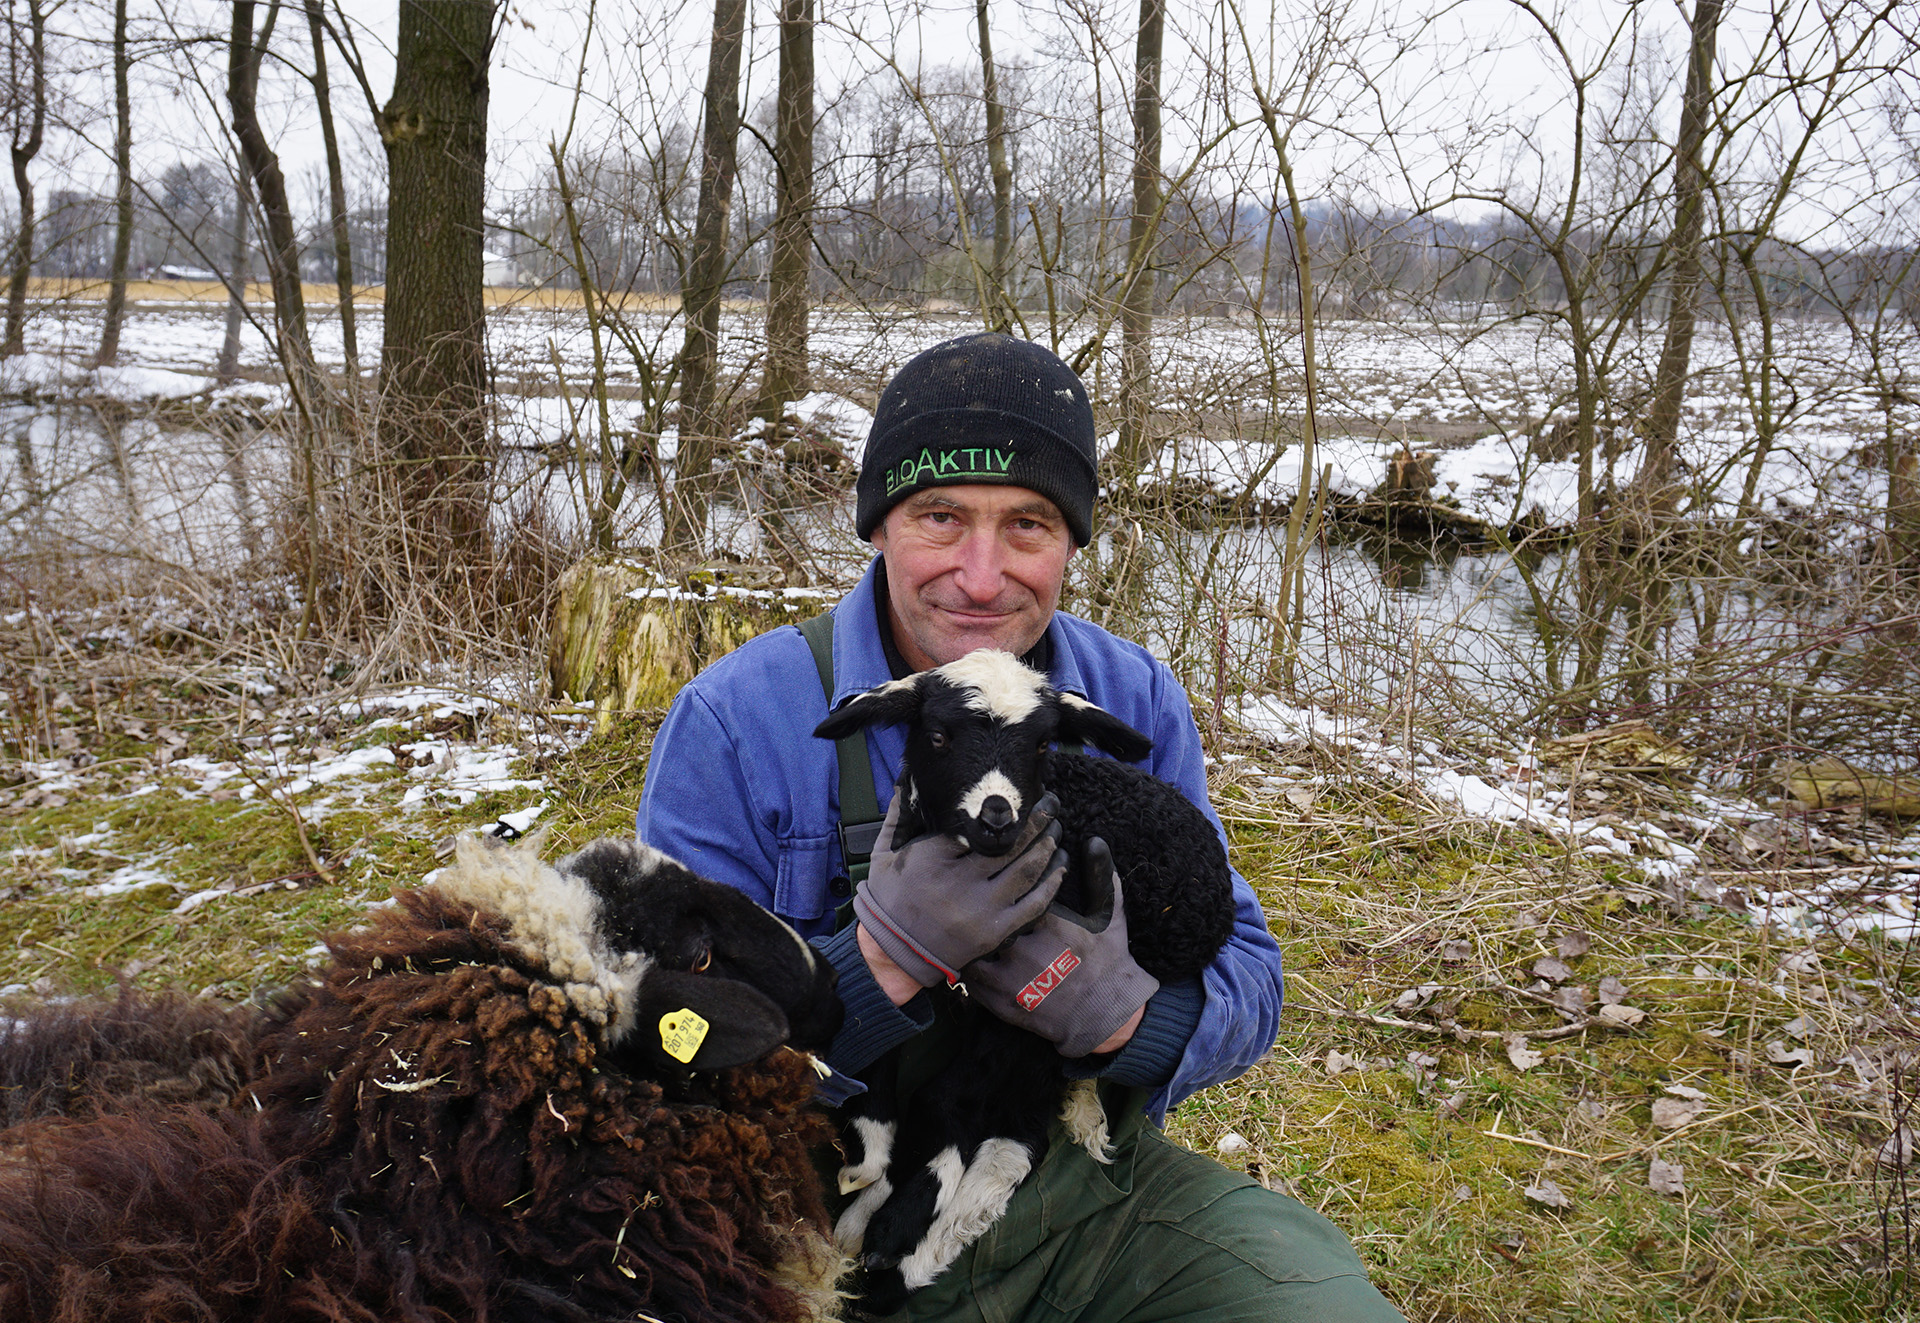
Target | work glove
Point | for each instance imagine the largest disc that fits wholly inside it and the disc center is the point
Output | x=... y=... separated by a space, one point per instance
x=933 y=905
x=1070 y=979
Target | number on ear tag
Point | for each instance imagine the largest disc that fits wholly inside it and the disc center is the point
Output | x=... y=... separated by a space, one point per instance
x=681 y=1033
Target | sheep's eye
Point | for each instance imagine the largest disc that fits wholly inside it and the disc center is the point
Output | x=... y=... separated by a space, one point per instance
x=700 y=965
x=937 y=739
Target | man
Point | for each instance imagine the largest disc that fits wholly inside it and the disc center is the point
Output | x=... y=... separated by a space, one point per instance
x=977 y=488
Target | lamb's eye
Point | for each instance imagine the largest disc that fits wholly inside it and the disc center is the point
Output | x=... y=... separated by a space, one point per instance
x=700 y=965
x=936 y=739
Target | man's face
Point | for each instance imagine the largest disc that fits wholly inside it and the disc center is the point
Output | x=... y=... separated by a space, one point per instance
x=970 y=567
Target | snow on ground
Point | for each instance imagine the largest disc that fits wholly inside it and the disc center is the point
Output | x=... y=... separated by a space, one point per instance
x=294 y=766
x=1512 y=789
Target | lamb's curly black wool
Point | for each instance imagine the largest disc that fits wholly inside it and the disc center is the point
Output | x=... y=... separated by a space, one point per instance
x=1173 y=869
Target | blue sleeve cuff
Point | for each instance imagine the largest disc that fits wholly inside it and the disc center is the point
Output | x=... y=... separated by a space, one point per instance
x=873 y=1025
x=1153 y=1054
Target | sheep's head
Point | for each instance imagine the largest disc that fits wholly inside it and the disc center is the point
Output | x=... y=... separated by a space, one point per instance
x=635 y=939
x=977 y=732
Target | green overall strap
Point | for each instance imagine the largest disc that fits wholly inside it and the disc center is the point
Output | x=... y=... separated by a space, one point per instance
x=860 y=815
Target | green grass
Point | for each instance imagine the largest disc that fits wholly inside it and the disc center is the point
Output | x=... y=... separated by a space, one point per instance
x=1778 y=1220
x=1779 y=1215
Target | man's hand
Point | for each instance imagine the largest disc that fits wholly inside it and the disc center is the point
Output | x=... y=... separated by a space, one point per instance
x=1071 y=979
x=930 y=906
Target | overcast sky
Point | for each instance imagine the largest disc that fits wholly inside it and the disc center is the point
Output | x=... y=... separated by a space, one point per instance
x=1473 y=88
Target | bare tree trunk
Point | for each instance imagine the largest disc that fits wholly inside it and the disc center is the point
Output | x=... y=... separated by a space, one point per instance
x=999 y=314
x=123 y=192
x=283 y=246
x=21 y=259
x=238 y=252
x=1136 y=306
x=706 y=275
x=1648 y=580
x=1683 y=286
x=336 y=192
x=790 y=272
x=433 y=419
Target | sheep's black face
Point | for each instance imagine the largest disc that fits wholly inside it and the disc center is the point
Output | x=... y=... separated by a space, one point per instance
x=975 y=775
x=711 y=948
x=979 y=729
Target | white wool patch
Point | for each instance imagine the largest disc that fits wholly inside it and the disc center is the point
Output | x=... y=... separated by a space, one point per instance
x=1086 y=1120
x=813 y=1271
x=970 y=1202
x=993 y=783
x=850 y=1232
x=876 y=1146
x=554 y=919
x=997 y=683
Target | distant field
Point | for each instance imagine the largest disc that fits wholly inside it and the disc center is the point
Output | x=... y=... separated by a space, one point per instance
x=52 y=289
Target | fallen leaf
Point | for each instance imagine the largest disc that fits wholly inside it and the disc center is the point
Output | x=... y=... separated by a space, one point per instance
x=1551 y=969
x=1665 y=1177
x=1462 y=1193
x=1782 y=1055
x=1898 y=1150
x=1232 y=1142
x=1451 y=1105
x=1573 y=999
x=1301 y=797
x=1414 y=998
x=1454 y=952
x=1612 y=990
x=1629 y=1016
x=1573 y=945
x=1801 y=962
x=1522 y=1056
x=1672 y=1113
x=1686 y=1091
x=1338 y=1061
x=1547 y=1194
x=1796 y=1027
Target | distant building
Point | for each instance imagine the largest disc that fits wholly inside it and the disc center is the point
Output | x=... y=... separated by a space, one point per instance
x=499 y=270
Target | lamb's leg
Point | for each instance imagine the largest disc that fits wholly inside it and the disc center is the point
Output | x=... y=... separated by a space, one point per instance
x=869 y=1124
x=985 y=1117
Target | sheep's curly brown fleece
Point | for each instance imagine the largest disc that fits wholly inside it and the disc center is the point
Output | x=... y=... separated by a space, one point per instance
x=435 y=1133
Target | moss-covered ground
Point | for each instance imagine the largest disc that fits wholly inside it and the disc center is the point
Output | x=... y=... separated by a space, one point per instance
x=1395 y=1099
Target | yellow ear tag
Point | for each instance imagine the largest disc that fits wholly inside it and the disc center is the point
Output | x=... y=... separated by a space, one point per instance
x=681 y=1033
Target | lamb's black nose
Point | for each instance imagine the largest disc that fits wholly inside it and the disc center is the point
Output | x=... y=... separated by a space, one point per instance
x=995 y=813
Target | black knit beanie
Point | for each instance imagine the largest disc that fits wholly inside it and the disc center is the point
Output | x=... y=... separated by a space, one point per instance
x=982 y=408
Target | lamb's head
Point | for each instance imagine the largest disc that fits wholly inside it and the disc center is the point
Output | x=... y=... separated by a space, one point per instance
x=636 y=940
x=978 y=730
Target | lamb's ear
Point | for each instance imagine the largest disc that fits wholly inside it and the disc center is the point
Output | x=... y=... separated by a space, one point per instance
x=1081 y=720
x=704 y=1023
x=897 y=700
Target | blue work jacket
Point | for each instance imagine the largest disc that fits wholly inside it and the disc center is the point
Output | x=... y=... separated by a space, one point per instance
x=740 y=790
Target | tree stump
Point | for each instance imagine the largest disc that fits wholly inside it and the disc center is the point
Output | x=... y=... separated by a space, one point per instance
x=626 y=638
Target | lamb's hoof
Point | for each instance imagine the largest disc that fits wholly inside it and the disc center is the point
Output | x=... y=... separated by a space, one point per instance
x=883 y=1292
x=851 y=1180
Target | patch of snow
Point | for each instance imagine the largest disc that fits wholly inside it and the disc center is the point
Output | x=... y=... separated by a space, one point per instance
x=133 y=877
x=146 y=383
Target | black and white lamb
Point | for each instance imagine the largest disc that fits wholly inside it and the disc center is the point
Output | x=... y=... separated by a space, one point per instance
x=529 y=1091
x=936 y=1169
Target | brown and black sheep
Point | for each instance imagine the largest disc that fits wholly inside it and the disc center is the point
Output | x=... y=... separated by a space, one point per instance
x=496 y=1103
